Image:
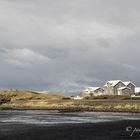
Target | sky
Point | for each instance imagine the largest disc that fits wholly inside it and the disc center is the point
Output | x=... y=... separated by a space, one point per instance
x=63 y=46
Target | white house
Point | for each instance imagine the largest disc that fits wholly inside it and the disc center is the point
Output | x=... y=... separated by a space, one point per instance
x=78 y=98
x=93 y=91
x=118 y=87
x=137 y=90
x=113 y=87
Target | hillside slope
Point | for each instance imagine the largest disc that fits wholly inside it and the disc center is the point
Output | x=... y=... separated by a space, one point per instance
x=13 y=96
x=32 y=100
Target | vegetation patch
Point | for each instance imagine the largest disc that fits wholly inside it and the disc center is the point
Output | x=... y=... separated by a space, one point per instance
x=31 y=100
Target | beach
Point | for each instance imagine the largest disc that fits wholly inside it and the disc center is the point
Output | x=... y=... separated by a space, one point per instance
x=44 y=125
x=98 y=131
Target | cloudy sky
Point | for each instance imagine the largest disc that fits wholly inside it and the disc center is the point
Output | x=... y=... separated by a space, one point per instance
x=65 y=45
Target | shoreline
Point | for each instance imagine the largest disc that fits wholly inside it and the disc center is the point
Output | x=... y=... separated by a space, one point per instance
x=68 y=111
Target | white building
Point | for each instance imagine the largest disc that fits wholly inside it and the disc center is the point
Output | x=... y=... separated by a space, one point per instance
x=137 y=91
x=78 y=98
x=118 y=87
x=93 y=91
x=114 y=87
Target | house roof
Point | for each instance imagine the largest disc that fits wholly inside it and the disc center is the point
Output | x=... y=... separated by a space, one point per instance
x=113 y=82
x=86 y=90
x=128 y=82
x=92 y=88
x=137 y=89
x=122 y=88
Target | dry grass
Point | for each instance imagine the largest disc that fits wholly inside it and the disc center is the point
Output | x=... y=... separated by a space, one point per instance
x=120 y=97
x=28 y=95
x=74 y=106
x=31 y=100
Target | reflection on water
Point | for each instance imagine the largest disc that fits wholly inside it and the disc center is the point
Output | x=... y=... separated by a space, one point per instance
x=55 y=117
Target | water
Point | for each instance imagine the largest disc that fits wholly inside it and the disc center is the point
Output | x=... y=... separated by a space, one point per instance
x=43 y=117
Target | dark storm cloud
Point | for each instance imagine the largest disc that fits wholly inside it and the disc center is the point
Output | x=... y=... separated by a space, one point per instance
x=64 y=46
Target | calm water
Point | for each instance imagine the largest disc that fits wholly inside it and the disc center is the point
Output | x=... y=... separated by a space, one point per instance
x=43 y=117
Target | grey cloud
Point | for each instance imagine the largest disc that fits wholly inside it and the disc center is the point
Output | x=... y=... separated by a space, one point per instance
x=64 y=46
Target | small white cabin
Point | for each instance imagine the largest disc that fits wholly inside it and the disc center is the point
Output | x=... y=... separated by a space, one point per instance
x=78 y=98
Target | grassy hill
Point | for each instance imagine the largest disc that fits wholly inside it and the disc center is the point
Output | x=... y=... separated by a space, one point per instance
x=27 y=95
x=31 y=100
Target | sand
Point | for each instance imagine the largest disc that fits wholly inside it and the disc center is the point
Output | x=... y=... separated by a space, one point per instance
x=92 y=131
